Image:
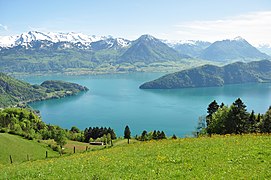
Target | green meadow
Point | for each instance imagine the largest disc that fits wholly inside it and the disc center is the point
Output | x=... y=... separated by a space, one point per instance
x=216 y=157
x=19 y=148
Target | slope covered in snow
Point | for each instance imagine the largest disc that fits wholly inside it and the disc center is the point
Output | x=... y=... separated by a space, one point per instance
x=25 y=38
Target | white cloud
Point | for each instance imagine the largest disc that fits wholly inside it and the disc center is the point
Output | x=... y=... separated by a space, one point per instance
x=254 y=27
x=4 y=27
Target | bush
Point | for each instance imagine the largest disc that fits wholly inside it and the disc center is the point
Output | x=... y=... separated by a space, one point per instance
x=3 y=130
x=55 y=147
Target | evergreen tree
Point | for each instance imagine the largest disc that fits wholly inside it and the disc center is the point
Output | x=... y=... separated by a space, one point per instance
x=154 y=135
x=127 y=134
x=237 y=118
x=212 y=108
x=162 y=135
x=251 y=124
x=266 y=122
x=144 y=135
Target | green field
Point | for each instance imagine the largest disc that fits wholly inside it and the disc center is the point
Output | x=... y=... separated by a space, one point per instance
x=219 y=157
x=19 y=148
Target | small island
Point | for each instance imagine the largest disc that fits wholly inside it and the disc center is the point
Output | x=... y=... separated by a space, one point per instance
x=14 y=91
x=213 y=76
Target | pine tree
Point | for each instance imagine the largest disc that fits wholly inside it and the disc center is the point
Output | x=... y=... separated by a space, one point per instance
x=162 y=135
x=212 y=108
x=266 y=122
x=251 y=123
x=127 y=134
x=154 y=135
x=144 y=135
x=237 y=118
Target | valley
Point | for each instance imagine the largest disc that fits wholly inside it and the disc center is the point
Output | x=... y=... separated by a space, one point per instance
x=135 y=89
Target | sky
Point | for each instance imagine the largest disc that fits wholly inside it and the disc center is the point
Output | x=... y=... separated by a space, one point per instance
x=207 y=20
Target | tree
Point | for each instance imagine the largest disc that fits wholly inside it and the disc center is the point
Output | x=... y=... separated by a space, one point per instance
x=108 y=137
x=104 y=139
x=266 y=122
x=219 y=121
x=60 y=138
x=212 y=108
x=162 y=135
x=237 y=118
x=75 y=129
x=251 y=123
x=127 y=133
x=201 y=126
x=154 y=135
x=144 y=135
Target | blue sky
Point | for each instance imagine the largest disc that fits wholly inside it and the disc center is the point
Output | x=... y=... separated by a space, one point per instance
x=166 y=19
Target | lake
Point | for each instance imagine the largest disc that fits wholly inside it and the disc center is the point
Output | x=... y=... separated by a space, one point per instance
x=116 y=101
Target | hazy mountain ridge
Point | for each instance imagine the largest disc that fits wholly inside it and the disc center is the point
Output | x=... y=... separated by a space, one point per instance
x=190 y=47
x=210 y=75
x=228 y=50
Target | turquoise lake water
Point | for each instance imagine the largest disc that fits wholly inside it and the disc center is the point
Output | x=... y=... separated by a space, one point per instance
x=116 y=101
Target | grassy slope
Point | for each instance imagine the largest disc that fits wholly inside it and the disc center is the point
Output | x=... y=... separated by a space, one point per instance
x=231 y=157
x=18 y=148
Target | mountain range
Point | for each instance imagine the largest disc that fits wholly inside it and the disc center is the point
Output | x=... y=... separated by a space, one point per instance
x=211 y=76
x=229 y=50
x=63 y=52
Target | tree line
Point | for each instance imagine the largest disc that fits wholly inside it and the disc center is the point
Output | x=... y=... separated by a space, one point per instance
x=27 y=123
x=234 y=119
x=91 y=134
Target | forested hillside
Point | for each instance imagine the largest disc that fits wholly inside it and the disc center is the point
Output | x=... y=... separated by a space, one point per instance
x=210 y=75
x=13 y=91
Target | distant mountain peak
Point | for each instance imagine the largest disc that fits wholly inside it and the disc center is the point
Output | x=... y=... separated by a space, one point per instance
x=147 y=37
x=239 y=38
x=235 y=49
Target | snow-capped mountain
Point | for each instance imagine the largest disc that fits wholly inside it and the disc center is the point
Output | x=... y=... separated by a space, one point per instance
x=192 y=48
x=110 y=43
x=25 y=38
x=187 y=42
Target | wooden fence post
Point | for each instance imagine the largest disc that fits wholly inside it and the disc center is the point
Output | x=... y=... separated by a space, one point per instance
x=10 y=159
x=46 y=154
x=74 y=149
x=86 y=148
